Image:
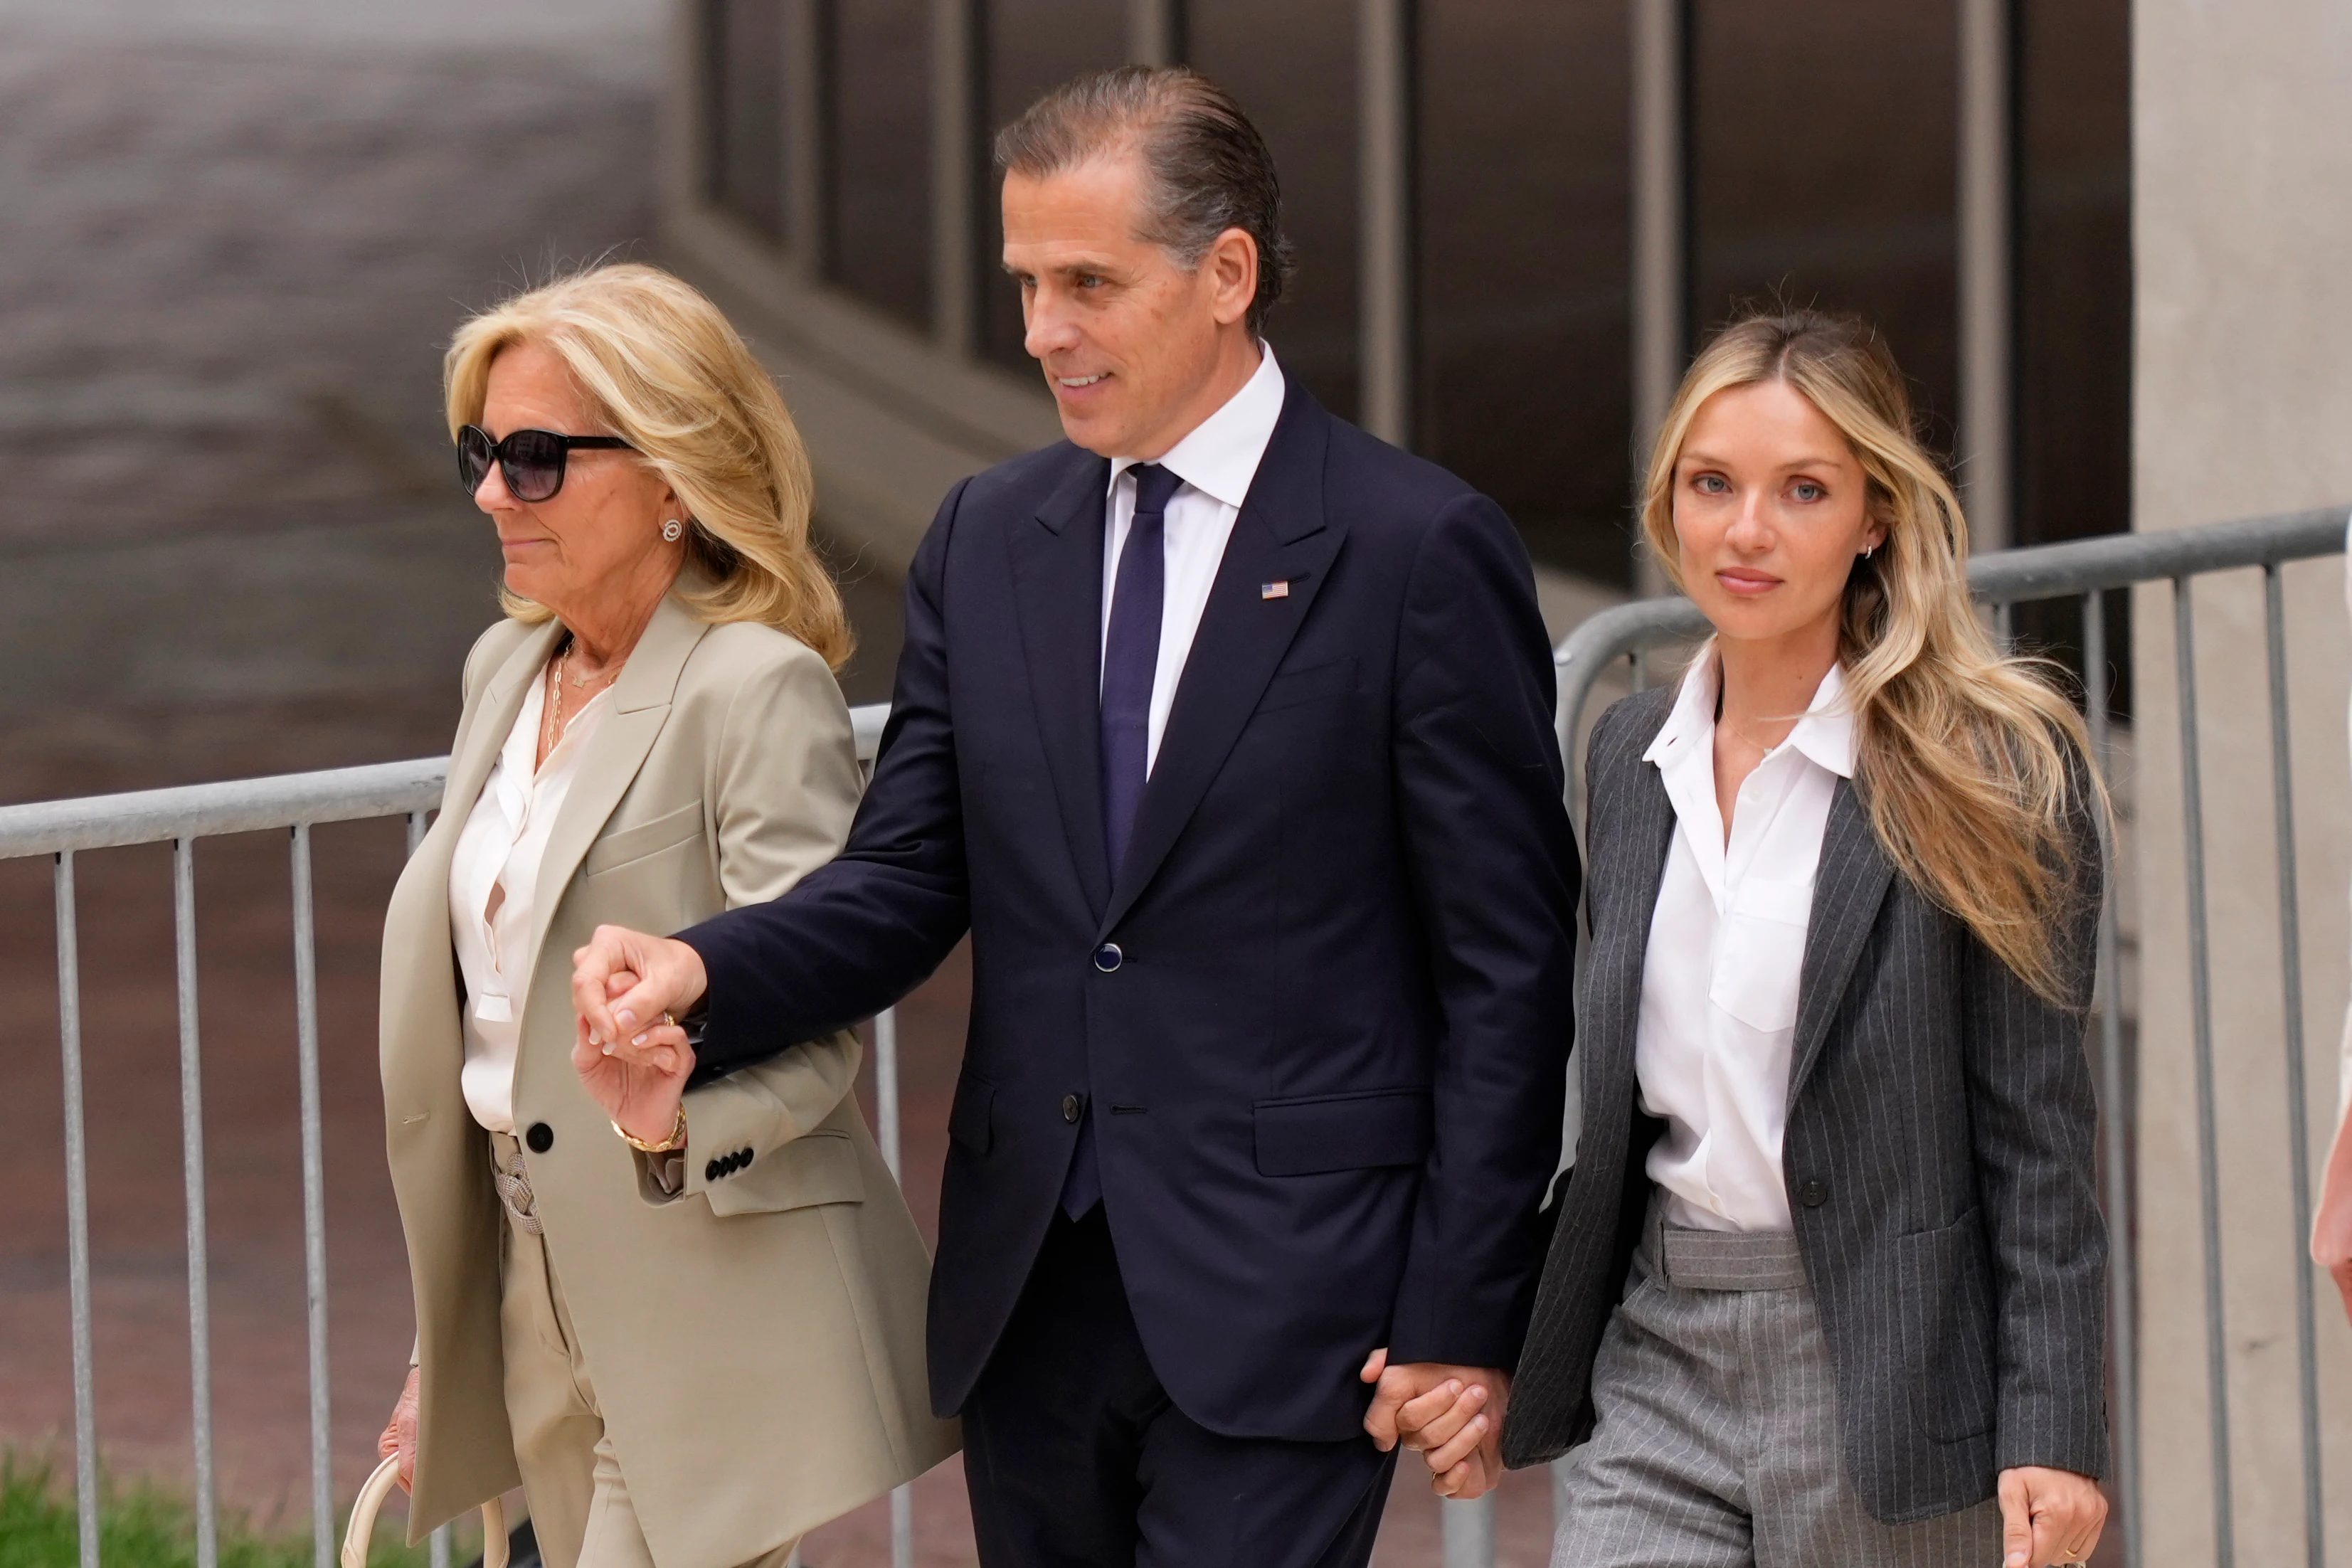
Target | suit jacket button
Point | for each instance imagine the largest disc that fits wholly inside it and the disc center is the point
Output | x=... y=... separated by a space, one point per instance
x=711 y=1172
x=1071 y=1107
x=1812 y=1195
x=539 y=1139
x=1108 y=957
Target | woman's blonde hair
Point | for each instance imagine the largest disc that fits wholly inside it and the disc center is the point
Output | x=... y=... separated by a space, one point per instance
x=1970 y=764
x=661 y=368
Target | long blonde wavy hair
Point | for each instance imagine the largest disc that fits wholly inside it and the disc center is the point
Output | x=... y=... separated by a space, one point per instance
x=663 y=370
x=1969 y=762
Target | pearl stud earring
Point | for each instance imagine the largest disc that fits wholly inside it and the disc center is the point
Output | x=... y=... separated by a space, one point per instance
x=672 y=529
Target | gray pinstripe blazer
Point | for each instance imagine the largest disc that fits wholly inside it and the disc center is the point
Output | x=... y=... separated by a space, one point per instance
x=1939 y=1158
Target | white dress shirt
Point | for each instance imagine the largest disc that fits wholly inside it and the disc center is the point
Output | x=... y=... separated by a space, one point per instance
x=1216 y=460
x=500 y=846
x=1726 y=943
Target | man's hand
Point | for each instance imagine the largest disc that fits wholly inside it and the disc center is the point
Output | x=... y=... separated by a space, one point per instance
x=2048 y=1517
x=669 y=979
x=399 y=1433
x=1453 y=1415
x=639 y=1091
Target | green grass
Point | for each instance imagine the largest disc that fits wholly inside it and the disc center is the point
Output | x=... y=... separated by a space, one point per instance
x=142 y=1526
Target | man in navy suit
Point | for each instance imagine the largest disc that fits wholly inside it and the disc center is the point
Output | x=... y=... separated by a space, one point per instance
x=1226 y=731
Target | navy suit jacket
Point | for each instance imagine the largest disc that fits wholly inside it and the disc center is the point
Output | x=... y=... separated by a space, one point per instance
x=1326 y=1071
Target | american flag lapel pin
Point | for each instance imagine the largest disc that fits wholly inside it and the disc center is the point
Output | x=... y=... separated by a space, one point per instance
x=1274 y=590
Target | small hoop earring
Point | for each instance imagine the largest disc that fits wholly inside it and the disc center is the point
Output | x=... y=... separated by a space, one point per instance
x=1868 y=550
x=673 y=530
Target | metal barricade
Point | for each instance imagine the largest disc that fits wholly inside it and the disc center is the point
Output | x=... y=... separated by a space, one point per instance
x=2085 y=570
x=295 y=802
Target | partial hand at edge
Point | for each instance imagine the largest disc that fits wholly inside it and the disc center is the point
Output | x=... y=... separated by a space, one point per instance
x=399 y=1433
x=2048 y=1517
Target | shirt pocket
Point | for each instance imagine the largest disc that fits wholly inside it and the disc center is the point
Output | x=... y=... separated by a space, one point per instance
x=1761 y=953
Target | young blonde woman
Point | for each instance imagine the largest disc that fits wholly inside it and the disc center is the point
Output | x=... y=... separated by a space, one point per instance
x=1826 y=1287
x=688 y=1343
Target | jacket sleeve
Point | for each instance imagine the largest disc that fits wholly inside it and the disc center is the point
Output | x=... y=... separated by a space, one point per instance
x=2033 y=1119
x=1480 y=785
x=784 y=785
x=857 y=934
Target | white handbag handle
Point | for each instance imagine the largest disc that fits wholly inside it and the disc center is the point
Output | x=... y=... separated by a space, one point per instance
x=379 y=1486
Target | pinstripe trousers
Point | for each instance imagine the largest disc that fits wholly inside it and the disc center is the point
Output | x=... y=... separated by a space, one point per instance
x=1718 y=1442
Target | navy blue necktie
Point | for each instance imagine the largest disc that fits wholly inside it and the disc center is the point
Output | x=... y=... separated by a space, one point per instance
x=1131 y=664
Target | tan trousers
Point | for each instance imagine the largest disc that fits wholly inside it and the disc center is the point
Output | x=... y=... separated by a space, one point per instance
x=579 y=1506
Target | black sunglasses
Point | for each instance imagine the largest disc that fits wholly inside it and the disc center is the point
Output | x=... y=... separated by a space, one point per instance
x=531 y=460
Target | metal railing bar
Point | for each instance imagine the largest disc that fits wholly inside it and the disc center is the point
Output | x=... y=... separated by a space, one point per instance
x=2297 y=1101
x=438 y=1546
x=2114 y=1109
x=2122 y=560
x=886 y=1115
x=411 y=789
x=314 y=1199
x=416 y=825
x=85 y=1382
x=192 y=1163
x=2201 y=1009
x=2004 y=624
x=208 y=810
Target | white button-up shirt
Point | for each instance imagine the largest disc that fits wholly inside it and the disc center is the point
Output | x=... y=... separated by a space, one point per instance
x=1216 y=460
x=500 y=847
x=1726 y=943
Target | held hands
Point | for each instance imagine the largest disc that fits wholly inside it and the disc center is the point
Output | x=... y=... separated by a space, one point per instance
x=633 y=1062
x=2048 y=1517
x=1451 y=1416
x=399 y=1433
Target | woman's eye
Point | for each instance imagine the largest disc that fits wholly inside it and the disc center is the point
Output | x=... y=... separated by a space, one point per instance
x=1805 y=489
x=1711 y=485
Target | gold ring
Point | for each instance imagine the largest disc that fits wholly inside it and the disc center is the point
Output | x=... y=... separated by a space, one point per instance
x=670 y=1021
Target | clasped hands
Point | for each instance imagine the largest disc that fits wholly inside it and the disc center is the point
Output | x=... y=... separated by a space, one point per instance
x=1451 y=1416
x=625 y=985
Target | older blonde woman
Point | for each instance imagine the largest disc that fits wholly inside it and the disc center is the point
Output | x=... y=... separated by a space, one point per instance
x=690 y=1342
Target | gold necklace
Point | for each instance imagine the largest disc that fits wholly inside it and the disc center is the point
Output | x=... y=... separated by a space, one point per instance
x=557 y=725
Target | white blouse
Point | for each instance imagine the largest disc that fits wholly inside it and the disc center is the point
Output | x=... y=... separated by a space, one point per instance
x=498 y=852
x=1711 y=1050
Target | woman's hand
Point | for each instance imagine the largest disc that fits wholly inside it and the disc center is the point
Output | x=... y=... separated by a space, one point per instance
x=399 y=1433
x=2048 y=1517
x=638 y=1082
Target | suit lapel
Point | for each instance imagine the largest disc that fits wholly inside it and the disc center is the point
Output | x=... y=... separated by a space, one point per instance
x=1848 y=889
x=1282 y=534
x=1057 y=574
x=1630 y=856
x=641 y=701
x=493 y=720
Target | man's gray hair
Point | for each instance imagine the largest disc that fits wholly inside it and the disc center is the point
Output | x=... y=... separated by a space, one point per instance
x=1207 y=168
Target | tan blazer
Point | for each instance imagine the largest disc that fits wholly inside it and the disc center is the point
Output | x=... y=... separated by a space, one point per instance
x=757 y=1343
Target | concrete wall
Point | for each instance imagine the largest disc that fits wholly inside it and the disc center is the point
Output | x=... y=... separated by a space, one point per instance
x=2243 y=387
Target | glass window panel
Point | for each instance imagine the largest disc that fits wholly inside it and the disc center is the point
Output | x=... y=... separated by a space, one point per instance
x=2074 y=302
x=881 y=175
x=1522 y=386
x=1033 y=47
x=744 y=75
x=1292 y=64
x=1823 y=171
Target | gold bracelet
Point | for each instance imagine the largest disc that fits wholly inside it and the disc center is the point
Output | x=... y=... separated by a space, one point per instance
x=676 y=1139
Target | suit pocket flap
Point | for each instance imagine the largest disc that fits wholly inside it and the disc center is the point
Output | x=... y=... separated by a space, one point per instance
x=627 y=844
x=1343 y=1132
x=1292 y=688
x=819 y=1167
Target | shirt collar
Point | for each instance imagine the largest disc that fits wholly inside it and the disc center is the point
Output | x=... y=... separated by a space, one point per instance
x=1825 y=734
x=1218 y=456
